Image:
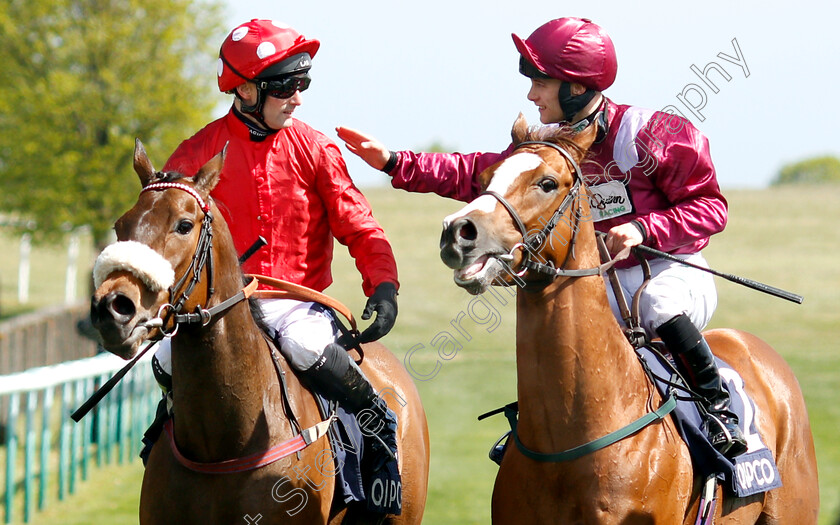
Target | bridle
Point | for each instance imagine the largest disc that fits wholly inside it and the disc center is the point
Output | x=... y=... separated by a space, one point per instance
x=202 y=258
x=533 y=241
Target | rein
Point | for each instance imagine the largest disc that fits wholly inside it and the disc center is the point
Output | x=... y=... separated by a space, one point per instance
x=203 y=257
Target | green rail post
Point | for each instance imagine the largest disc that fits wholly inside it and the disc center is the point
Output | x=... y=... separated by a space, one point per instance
x=125 y=415
x=64 y=441
x=46 y=437
x=29 y=456
x=113 y=421
x=76 y=435
x=11 y=449
x=86 y=390
x=101 y=428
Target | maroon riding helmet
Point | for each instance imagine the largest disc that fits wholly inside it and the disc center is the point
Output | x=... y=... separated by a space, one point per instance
x=572 y=50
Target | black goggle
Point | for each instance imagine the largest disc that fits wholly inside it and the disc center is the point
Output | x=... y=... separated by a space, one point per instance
x=286 y=87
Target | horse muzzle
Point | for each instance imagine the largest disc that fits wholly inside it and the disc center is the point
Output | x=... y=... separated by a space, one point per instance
x=120 y=320
x=474 y=256
x=458 y=241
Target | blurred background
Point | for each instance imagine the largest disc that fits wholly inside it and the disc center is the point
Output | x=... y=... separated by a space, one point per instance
x=84 y=78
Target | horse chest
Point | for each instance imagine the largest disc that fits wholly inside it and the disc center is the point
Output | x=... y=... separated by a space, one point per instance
x=279 y=493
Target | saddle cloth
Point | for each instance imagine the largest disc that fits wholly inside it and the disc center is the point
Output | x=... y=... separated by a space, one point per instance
x=381 y=491
x=750 y=473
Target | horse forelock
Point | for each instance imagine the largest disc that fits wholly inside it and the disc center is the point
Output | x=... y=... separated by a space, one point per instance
x=168 y=176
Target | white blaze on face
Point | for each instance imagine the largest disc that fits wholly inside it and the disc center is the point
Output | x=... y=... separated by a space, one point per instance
x=506 y=174
x=145 y=263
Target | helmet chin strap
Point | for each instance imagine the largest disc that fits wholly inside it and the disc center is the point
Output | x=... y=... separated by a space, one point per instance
x=572 y=104
x=255 y=111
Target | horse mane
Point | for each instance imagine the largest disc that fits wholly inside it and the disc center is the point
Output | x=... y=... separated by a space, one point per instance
x=560 y=134
x=257 y=313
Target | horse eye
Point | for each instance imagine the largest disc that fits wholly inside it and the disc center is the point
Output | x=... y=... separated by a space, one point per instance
x=184 y=227
x=547 y=185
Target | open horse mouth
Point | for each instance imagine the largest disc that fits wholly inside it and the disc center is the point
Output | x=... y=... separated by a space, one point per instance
x=480 y=274
x=476 y=258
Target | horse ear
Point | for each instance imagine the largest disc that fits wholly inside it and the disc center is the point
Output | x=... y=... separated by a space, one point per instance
x=208 y=176
x=142 y=164
x=520 y=128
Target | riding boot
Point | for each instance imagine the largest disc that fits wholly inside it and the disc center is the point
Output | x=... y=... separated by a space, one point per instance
x=497 y=451
x=338 y=378
x=696 y=363
x=164 y=408
x=152 y=434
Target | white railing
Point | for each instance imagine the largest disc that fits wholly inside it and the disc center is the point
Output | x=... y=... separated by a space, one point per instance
x=57 y=451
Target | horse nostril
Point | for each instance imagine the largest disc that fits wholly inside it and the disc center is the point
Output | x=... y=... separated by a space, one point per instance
x=114 y=306
x=467 y=231
x=123 y=306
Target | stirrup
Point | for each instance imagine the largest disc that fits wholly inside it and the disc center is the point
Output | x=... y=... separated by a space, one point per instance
x=728 y=441
x=380 y=446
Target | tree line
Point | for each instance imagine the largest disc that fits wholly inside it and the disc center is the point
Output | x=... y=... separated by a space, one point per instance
x=81 y=80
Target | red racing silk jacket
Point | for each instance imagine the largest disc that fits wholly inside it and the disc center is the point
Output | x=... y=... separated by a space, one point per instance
x=652 y=168
x=293 y=189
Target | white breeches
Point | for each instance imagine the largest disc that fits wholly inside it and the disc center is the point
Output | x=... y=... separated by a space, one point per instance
x=303 y=329
x=673 y=289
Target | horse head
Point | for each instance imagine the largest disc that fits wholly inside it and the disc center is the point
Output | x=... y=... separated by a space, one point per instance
x=530 y=209
x=164 y=250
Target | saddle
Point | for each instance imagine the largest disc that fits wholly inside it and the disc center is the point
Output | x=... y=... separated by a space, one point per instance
x=749 y=473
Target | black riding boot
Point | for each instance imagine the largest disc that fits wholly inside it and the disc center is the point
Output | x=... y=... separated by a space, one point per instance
x=697 y=364
x=337 y=378
x=163 y=412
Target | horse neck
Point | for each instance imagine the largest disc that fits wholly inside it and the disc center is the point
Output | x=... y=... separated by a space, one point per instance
x=577 y=374
x=225 y=388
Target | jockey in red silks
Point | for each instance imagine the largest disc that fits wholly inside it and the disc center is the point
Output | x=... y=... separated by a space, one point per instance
x=288 y=183
x=651 y=181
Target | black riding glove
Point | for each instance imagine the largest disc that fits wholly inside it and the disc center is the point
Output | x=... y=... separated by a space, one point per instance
x=384 y=303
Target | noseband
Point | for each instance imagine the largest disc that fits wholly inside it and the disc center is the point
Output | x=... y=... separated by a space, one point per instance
x=531 y=242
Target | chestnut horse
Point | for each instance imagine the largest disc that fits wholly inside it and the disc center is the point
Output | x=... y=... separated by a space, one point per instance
x=578 y=378
x=228 y=398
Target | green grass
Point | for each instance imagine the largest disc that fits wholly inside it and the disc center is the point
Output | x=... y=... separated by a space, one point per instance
x=784 y=237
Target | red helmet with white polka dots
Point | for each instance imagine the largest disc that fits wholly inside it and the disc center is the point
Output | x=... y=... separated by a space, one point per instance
x=254 y=46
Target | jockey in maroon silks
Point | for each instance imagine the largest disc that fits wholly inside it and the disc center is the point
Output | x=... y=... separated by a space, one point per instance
x=288 y=183
x=651 y=181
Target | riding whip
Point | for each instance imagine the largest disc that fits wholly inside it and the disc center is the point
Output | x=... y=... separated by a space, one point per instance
x=749 y=283
x=107 y=387
x=97 y=396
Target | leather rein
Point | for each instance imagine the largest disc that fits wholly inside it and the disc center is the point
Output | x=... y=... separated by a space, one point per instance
x=531 y=243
